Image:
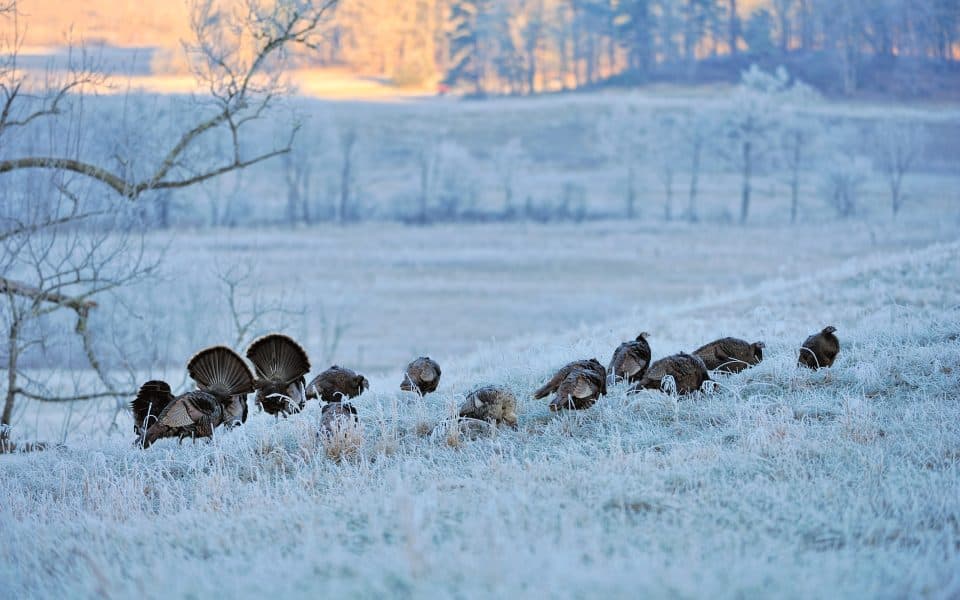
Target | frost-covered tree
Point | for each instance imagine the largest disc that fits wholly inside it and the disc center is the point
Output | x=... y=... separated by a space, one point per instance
x=507 y=160
x=347 y=145
x=625 y=136
x=753 y=115
x=844 y=170
x=666 y=134
x=61 y=171
x=696 y=132
x=798 y=135
x=897 y=146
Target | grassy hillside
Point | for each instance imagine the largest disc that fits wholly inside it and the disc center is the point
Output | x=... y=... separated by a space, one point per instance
x=781 y=482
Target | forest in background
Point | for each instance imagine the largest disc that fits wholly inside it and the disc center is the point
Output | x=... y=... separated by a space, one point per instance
x=886 y=48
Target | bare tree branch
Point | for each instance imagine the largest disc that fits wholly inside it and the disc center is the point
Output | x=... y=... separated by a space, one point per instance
x=232 y=85
x=79 y=305
x=42 y=398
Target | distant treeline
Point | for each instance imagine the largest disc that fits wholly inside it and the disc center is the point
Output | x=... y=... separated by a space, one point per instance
x=904 y=48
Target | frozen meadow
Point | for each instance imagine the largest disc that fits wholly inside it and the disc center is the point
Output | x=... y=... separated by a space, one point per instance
x=786 y=482
x=548 y=230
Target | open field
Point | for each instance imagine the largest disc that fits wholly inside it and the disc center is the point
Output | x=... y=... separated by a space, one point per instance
x=843 y=482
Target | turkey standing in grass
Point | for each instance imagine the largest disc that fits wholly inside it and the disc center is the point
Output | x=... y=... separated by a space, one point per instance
x=493 y=403
x=336 y=384
x=422 y=376
x=334 y=413
x=630 y=360
x=222 y=378
x=688 y=372
x=578 y=385
x=281 y=365
x=820 y=349
x=730 y=355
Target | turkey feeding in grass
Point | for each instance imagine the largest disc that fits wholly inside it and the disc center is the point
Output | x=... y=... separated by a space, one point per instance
x=688 y=372
x=281 y=365
x=493 y=403
x=630 y=360
x=820 y=349
x=730 y=355
x=422 y=376
x=577 y=385
x=336 y=384
x=337 y=415
x=223 y=380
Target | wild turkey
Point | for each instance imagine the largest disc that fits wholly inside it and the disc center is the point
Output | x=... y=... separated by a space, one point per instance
x=494 y=404
x=422 y=376
x=153 y=397
x=630 y=360
x=281 y=365
x=235 y=412
x=336 y=384
x=688 y=371
x=577 y=385
x=730 y=355
x=820 y=349
x=221 y=376
x=342 y=412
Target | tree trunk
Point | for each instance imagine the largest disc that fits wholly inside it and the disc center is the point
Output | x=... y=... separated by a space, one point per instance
x=895 y=186
x=745 y=195
x=12 y=356
x=734 y=28
x=806 y=26
x=794 y=196
x=346 y=174
x=795 y=181
x=668 y=207
x=694 y=181
x=424 y=186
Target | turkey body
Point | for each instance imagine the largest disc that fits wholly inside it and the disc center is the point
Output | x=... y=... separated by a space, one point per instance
x=820 y=349
x=730 y=355
x=688 y=371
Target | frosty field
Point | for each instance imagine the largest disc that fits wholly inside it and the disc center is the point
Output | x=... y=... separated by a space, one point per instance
x=780 y=482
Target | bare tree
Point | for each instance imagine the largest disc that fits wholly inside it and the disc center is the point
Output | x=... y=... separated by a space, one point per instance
x=666 y=135
x=298 y=173
x=507 y=160
x=251 y=315
x=752 y=118
x=348 y=156
x=897 y=147
x=799 y=134
x=696 y=131
x=69 y=267
x=232 y=49
x=843 y=179
x=65 y=243
x=625 y=135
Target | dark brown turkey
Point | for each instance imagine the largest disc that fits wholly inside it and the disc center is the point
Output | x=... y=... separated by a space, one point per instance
x=493 y=403
x=337 y=384
x=688 y=372
x=577 y=385
x=335 y=415
x=422 y=376
x=730 y=355
x=630 y=360
x=280 y=364
x=223 y=382
x=820 y=349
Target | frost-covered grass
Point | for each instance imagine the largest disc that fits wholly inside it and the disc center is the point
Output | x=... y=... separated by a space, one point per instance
x=782 y=482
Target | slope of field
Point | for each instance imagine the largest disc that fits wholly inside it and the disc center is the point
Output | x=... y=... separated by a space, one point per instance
x=781 y=482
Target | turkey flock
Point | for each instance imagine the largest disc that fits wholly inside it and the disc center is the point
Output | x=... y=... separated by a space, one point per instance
x=280 y=367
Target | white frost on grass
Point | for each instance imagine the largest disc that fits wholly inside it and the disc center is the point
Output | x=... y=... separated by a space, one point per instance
x=784 y=482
